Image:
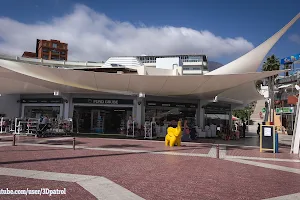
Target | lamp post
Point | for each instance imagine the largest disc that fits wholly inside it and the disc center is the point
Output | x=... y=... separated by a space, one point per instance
x=248 y=121
x=296 y=132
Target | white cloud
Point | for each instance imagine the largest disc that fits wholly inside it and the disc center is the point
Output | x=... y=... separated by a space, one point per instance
x=295 y=38
x=95 y=37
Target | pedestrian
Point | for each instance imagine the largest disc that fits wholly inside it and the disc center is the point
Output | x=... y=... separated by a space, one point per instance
x=258 y=129
x=244 y=129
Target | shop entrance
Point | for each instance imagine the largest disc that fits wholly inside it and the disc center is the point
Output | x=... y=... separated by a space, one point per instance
x=105 y=120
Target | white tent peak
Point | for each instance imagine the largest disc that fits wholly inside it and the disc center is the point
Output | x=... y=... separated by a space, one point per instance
x=251 y=61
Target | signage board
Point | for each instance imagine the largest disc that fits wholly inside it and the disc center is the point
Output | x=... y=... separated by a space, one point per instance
x=103 y=101
x=170 y=104
x=217 y=109
x=285 y=110
x=263 y=110
x=267 y=138
x=290 y=59
x=48 y=100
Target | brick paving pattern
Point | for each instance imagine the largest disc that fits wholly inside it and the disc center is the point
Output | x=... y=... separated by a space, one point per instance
x=156 y=176
x=295 y=165
x=254 y=152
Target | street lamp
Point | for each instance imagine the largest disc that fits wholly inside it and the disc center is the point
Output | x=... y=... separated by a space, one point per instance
x=142 y=95
x=296 y=132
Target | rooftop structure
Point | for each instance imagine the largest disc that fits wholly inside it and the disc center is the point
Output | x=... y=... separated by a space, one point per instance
x=191 y=64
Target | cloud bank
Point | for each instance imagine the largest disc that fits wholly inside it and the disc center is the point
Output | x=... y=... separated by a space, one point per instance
x=93 y=36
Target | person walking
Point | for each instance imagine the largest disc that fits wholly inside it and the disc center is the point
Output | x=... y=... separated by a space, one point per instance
x=258 y=129
x=244 y=129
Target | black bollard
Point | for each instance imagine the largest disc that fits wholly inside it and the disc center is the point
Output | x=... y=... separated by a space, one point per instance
x=218 y=151
x=73 y=143
x=14 y=140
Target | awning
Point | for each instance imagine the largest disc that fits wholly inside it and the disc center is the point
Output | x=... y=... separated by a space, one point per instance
x=284 y=86
x=234 y=118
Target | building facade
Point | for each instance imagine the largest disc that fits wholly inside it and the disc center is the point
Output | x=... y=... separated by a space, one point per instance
x=49 y=50
x=286 y=98
x=109 y=113
x=191 y=64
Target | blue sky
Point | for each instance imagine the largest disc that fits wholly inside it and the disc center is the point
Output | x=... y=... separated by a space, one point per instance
x=254 y=20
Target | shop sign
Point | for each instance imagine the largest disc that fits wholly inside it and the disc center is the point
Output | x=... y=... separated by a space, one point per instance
x=103 y=101
x=171 y=104
x=53 y=100
x=285 y=110
x=216 y=108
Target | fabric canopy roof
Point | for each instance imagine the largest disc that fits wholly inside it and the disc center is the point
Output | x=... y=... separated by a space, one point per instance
x=251 y=61
x=72 y=81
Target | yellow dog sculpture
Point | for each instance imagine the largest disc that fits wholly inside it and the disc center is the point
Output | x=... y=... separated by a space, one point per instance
x=173 y=136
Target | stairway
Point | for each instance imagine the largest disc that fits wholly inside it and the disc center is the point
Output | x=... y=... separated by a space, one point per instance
x=255 y=117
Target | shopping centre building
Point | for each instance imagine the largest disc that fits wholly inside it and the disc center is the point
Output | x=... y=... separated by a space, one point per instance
x=107 y=110
x=101 y=97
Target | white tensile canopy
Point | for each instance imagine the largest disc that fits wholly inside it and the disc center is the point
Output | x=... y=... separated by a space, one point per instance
x=40 y=79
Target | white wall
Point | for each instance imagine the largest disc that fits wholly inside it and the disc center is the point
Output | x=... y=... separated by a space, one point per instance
x=9 y=105
x=168 y=63
x=264 y=91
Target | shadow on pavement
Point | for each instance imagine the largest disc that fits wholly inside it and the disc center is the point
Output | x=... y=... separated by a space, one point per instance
x=31 y=150
x=124 y=146
x=92 y=156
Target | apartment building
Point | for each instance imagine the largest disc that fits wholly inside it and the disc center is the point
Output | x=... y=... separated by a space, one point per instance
x=49 y=50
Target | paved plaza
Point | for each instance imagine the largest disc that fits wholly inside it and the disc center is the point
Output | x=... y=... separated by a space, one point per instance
x=136 y=169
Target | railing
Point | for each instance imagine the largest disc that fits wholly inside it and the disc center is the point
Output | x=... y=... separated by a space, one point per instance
x=38 y=61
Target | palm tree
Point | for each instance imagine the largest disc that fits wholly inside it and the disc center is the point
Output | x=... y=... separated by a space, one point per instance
x=258 y=84
x=272 y=63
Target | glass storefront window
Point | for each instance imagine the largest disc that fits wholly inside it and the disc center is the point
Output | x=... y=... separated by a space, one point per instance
x=217 y=114
x=170 y=116
x=107 y=120
x=217 y=119
x=37 y=111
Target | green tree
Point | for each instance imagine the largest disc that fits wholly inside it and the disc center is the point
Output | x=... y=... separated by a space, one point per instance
x=243 y=114
x=272 y=63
